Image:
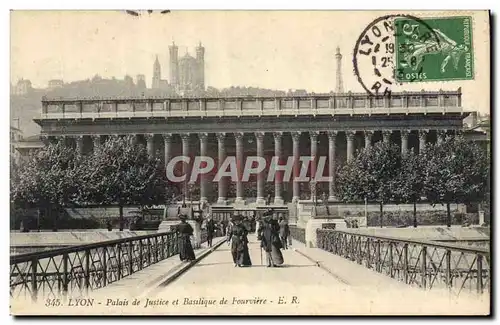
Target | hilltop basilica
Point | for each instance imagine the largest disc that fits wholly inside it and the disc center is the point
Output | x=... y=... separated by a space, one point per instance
x=186 y=75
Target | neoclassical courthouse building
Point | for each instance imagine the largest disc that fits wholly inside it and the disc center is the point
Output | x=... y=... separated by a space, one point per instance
x=333 y=125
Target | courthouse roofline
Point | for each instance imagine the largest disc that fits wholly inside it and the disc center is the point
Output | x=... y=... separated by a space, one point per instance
x=67 y=100
x=311 y=105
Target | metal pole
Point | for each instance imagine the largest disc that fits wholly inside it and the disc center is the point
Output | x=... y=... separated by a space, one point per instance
x=391 y=260
x=448 y=270
x=424 y=267
x=87 y=270
x=405 y=263
x=65 y=276
x=378 y=266
x=34 y=286
x=479 y=274
x=119 y=261
x=130 y=258
x=366 y=209
x=104 y=267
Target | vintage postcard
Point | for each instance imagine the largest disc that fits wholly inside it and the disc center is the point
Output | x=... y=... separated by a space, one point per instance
x=171 y=162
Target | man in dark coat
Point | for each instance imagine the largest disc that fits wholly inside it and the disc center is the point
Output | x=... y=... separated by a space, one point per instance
x=184 y=232
x=210 y=226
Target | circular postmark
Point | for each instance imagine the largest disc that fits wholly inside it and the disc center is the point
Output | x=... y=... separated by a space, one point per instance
x=383 y=56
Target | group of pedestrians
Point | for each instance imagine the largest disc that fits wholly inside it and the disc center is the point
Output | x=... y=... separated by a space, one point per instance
x=272 y=233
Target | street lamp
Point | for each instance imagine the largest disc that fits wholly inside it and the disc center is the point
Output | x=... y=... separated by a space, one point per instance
x=312 y=185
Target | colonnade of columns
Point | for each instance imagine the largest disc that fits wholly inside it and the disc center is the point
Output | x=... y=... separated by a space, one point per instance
x=259 y=137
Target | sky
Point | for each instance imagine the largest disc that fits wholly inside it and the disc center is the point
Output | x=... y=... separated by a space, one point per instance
x=269 y=49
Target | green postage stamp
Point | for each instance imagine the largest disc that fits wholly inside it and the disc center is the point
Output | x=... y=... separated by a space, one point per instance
x=434 y=49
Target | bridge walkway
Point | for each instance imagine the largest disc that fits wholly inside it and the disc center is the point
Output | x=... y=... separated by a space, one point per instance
x=312 y=281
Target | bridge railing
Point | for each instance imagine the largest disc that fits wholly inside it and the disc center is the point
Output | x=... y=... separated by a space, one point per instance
x=80 y=269
x=426 y=264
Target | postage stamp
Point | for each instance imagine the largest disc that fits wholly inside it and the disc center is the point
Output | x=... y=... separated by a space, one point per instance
x=401 y=48
x=434 y=49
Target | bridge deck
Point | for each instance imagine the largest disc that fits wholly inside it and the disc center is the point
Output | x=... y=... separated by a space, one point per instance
x=337 y=287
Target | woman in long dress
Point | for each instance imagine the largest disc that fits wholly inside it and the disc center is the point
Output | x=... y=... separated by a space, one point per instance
x=239 y=244
x=270 y=242
x=185 y=231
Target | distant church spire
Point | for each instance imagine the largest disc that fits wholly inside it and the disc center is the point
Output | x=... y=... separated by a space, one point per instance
x=155 y=84
x=339 y=87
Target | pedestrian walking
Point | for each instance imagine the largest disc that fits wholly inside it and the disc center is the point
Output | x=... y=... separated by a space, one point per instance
x=210 y=227
x=271 y=242
x=239 y=243
x=229 y=229
x=284 y=232
x=222 y=226
x=185 y=231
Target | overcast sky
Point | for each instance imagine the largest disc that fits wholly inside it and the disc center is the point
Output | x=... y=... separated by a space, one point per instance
x=277 y=50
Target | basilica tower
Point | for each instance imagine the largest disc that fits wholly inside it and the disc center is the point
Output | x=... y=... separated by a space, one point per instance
x=156 y=74
x=174 y=65
x=200 y=60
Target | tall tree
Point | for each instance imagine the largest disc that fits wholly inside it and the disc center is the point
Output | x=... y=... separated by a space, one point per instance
x=48 y=180
x=411 y=181
x=123 y=174
x=456 y=172
x=372 y=175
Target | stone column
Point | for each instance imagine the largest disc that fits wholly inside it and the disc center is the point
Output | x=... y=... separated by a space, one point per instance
x=239 y=167
x=350 y=144
x=185 y=166
x=79 y=144
x=422 y=136
x=167 y=141
x=150 y=144
x=203 y=177
x=368 y=139
x=332 y=136
x=314 y=153
x=222 y=156
x=441 y=135
x=277 y=181
x=96 y=141
x=386 y=135
x=404 y=141
x=260 y=177
x=296 y=165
